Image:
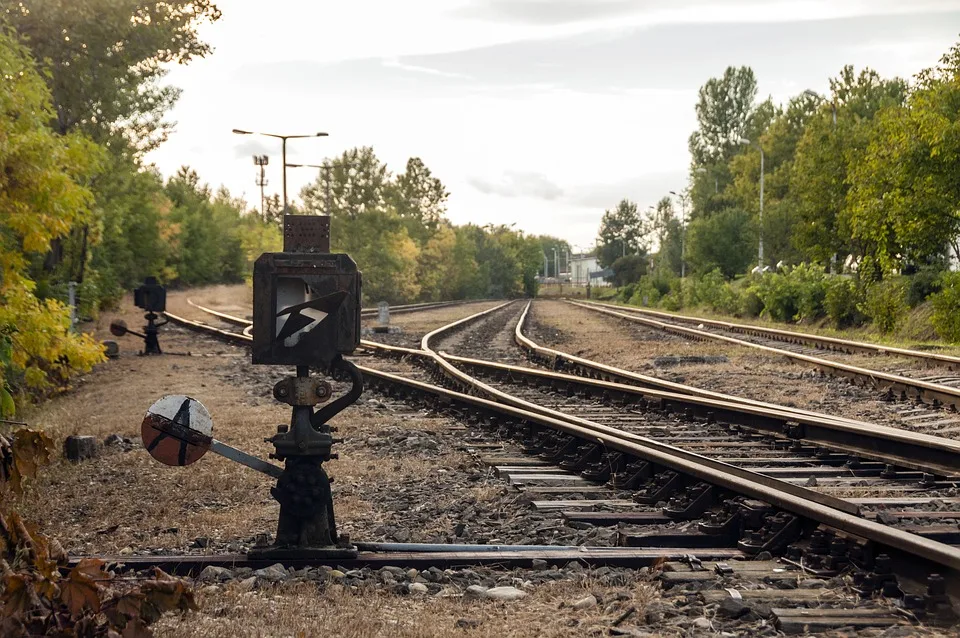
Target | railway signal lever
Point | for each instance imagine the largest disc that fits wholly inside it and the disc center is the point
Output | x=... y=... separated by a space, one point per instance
x=151 y=297
x=307 y=315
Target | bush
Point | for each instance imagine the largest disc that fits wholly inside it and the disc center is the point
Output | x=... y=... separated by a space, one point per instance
x=885 y=304
x=927 y=281
x=714 y=291
x=751 y=305
x=946 y=308
x=840 y=301
x=645 y=293
x=795 y=294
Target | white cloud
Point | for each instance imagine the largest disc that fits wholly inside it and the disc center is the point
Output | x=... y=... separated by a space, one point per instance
x=555 y=117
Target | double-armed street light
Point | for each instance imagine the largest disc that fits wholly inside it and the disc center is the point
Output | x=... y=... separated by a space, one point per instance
x=284 y=138
x=322 y=167
x=756 y=145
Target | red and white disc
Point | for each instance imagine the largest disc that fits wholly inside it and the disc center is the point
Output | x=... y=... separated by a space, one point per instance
x=177 y=430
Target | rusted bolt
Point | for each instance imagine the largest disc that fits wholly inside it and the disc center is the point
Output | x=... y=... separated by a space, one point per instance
x=282 y=391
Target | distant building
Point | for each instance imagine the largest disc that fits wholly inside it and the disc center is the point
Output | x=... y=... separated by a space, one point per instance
x=581 y=267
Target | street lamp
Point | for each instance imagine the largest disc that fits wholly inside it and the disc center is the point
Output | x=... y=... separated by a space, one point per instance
x=322 y=167
x=745 y=141
x=284 y=138
x=683 y=231
x=833 y=104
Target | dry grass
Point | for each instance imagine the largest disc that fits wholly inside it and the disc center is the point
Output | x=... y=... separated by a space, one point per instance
x=305 y=610
x=127 y=500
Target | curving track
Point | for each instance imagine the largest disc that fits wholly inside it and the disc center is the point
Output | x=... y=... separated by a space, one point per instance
x=633 y=431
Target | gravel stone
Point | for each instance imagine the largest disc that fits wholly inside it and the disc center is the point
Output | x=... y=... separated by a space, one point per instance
x=504 y=593
x=475 y=591
x=586 y=602
x=274 y=573
x=417 y=589
x=212 y=573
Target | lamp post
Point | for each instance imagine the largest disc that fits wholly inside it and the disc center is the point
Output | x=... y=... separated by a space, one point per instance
x=745 y=141
x=684 y=196
x=322 y=167
x=284 y=138
x=833 y=104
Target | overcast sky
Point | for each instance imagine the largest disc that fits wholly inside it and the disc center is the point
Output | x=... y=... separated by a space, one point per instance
x=538 y=112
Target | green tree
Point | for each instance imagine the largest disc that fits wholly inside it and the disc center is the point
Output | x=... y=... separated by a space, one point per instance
x=723 y=108
x=104 y=59
x=366 y=225
x=420 y=200
x=905 y=190
x=43 y=197
x=621 y=233
x=727 y=241
x=825 y=158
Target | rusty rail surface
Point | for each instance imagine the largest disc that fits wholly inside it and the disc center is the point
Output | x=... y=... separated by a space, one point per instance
x=921 y=390
x=915 y=550
x=868 y=440
x=790 y=336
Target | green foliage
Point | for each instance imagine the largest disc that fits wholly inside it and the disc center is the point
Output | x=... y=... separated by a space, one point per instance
x=104 y=60
x=629 y=269
x=946 y=308
x=547 y=245
x=885 y=304
x=43 y=200
x=621 y=234
x=724 y=241
x=724 y=107
x=715 y=292
x=925 y=282
x=841 y=301
x=795 y=294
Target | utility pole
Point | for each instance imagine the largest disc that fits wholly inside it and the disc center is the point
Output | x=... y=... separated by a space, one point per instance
x=284 y=138
x=744 y=140
x=261 y=161
x=684 y=197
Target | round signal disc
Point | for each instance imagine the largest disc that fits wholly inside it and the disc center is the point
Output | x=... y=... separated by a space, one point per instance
x=177 y=430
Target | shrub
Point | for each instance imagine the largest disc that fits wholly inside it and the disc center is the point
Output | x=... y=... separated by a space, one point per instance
x=672 y=301
x=714 y=291
x=885 y=304
x=795 y=294
x=840 y=301
x=924 y=283
x=645 y=293
x=751 y=305
x=946 y=308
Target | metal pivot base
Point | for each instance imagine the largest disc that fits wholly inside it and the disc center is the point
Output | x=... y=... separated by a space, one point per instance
x=151 y=342
x=307 y=526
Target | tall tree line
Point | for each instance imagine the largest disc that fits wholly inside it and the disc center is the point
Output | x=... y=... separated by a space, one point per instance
x=861 y=179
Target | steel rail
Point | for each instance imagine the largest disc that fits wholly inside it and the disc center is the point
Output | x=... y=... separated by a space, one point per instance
x=369 y=312
x=944 y=558
x=790 y=336
x=942 y=394
x=870 y=440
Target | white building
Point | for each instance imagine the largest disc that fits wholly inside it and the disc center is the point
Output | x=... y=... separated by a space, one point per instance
x=580 y=268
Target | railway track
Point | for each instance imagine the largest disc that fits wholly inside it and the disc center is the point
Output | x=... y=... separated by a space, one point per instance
x=930 y=390
x=624 y=451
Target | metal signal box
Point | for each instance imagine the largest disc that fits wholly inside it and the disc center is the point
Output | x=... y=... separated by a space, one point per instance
x=306 y=301
x=151 y=296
